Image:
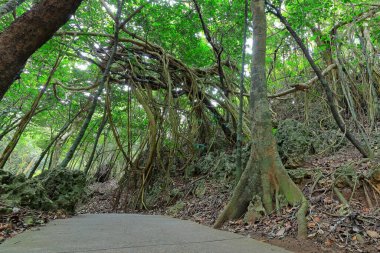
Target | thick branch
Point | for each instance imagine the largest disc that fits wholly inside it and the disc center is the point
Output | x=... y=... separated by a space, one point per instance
x=9 y=6
x=303 y=86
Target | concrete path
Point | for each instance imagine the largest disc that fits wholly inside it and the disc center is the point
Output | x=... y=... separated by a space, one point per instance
x=131 y=233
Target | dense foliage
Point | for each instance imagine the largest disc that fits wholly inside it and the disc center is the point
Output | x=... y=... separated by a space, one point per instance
x=172 y=90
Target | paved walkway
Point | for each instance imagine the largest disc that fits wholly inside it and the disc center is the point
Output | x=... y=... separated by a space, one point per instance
x=131 y=233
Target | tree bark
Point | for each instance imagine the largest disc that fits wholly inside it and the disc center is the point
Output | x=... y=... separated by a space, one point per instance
x=264 y=176
x=27 y=34
x=95 y=145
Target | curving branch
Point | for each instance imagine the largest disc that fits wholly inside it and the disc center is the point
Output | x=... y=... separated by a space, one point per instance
x=217 y=49
x=9 y=6
x=303 y=86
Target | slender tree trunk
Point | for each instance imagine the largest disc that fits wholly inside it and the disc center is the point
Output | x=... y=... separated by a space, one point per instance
x=83 y=129
x=363 y=149
x=57 y=149
x=20 y=129
x=9 y=128
x=26 y=119
x=28 y=33
x=264 y=176
x=13 y=125
x=98 y=134
x=239 y=134
x=103 y=80
x=83 y=155
x=46 y=151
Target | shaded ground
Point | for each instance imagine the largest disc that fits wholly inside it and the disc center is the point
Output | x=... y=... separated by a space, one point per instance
x=14 y=221
x=333 y=226
x=25 y=203
x=119 y=233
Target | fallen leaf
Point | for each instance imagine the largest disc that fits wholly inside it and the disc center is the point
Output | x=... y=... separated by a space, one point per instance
x=281 y=232
x=365 y=210
x=329 y=242
x=320 y=231
x=359 y=238
x=373 y=234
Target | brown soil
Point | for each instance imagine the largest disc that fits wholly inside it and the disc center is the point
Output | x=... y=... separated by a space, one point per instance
x=295 y=245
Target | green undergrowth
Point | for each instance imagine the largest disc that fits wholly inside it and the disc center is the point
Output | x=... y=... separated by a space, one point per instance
x=51 y=190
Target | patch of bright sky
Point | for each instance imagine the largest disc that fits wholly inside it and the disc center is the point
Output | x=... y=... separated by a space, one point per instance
x=247 y=71
x=214 y=103
x=200 y=35
x=248 y=46
x=183 y=119
x=82 y=66
x=171 y=2
x=126 y=88
x=112 y=7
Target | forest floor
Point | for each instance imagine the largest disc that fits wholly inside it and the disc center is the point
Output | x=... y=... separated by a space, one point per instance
x=333 y=226
x=19 y=220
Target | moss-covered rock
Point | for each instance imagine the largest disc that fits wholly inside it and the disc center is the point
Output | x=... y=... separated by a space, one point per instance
x=177 y=208
x=328 y=141
x=294 y=142
x=297 y=175
x=375 y=173
x=64 y=187
x=200 y=189
x=16 y=190
x=56 y=189
x=154 y=193
x=345 y=176
x=218 y=165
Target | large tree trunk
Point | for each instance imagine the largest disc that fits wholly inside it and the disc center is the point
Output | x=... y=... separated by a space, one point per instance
x=28 y=33
x=264 y=175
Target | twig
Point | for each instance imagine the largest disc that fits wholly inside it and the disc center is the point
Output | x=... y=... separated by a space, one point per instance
x=374 y=187
x=367 y=196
